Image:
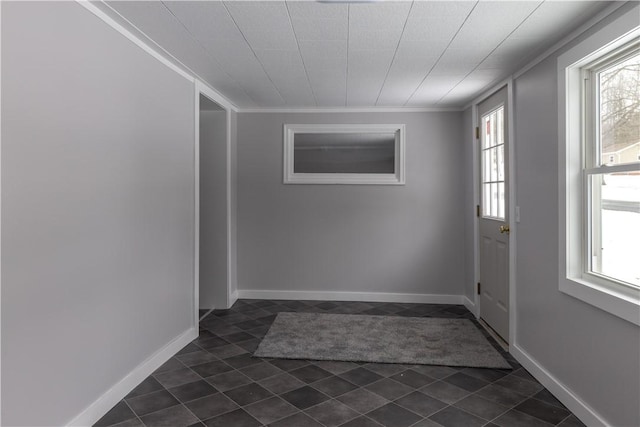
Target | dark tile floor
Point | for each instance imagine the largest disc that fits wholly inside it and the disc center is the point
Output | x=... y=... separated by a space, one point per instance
x=214 y=381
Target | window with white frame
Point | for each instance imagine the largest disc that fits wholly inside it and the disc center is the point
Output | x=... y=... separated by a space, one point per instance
x=344 y=154
x=611 y=123
x=599 y=91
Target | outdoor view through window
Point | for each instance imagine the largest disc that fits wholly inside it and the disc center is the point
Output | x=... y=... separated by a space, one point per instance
x=614 y=188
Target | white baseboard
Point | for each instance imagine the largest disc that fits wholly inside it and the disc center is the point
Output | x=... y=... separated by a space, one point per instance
x=111 y=397
x=471 y=306
x=584 y=412
x=349 y=296
x=233 y=298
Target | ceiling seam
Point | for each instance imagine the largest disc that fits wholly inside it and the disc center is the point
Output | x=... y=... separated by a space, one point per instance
x=304 y=65
x=442 y=54
x=489 y=54
x=207 y=53
x=224 y=3
x=395 y=53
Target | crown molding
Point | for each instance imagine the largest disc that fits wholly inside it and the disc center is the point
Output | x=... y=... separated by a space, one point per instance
x=353 y=110
x=550 y=51
x=115 y=20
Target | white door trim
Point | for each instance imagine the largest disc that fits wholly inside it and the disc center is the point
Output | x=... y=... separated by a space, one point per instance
x=512 y=206
x=204 y=90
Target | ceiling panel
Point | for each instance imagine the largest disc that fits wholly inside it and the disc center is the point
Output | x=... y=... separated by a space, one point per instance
x=159 y=24
x=432 y=89
x=306 y=53
x=222 y=38
x=379 y=16
x=553 y=19
x=366 y=74
x=317 y=11
x=491 y=22
x=321 y=29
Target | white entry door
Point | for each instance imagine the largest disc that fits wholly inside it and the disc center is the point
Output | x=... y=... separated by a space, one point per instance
x=493 y=227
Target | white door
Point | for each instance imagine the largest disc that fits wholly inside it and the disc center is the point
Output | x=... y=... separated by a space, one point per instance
x=493 y=213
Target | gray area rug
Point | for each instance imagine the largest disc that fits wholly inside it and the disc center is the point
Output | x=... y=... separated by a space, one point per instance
x=379 y=339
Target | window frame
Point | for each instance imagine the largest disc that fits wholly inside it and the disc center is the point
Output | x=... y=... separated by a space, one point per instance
x=396 y=178
x=484 y=149
x=575 y=277
x=593 y=165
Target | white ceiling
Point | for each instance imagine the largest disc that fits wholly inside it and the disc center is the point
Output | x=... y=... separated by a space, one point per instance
x=305 y=54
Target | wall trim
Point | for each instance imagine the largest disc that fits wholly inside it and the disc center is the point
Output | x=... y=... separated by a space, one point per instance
x=104 y=11
x=196 y=207
x=0 y=213
x=569 y=37
x=349 y=296
x=511 y=218
x=353 y=110
x=471 y=306
x=582 y=410
x=233 y=298
x=550 y=51
x=204 y=90
x=111 y=397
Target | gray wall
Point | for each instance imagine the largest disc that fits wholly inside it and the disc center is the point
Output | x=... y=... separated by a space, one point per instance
x=97 y=209
x=593 y=353
x=213 y=209
x=352 y=238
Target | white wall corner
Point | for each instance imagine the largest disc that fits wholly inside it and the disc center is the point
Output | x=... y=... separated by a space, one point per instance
x=568 y=398
x=111 y=397
x=350 y=296
x=233 y=297
x=471 y=306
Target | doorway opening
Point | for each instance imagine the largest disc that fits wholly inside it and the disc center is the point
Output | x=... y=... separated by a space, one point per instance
x=212 y=235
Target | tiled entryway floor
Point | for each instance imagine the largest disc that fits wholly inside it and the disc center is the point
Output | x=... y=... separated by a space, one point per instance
x=214 y=381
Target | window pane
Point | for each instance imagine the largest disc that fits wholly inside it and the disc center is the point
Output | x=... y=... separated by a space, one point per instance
x=500 y=125
x=344 y=153
x=486 y=200
x=615 y=226
x=494 y=200
x=493 y=164
x=500 y=200
x=486 y=169
x=500 y=163
x=619 y=115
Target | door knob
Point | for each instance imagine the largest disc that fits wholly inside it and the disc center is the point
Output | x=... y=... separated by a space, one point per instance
x=505 y=229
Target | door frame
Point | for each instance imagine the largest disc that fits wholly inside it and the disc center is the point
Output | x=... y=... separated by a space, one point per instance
x=513 y=209
x=206 y=91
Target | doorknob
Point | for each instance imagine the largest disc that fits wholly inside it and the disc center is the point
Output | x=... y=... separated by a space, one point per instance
x=505 y=229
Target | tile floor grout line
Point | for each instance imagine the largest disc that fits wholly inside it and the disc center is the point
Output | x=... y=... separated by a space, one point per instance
x=133 y=412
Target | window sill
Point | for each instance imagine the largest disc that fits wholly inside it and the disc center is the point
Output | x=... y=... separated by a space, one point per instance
x=604 y=298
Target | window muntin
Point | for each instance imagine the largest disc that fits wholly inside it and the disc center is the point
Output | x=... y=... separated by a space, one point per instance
x=492 y=156
x=611 y=172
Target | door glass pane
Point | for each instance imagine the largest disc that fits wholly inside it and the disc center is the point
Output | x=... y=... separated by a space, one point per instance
x=500 y=162
x=494 y=200
x=486 y=171
x=493 y=164
x=619 y=112
x=486 y=208
x=500 y=213
x=615 y=226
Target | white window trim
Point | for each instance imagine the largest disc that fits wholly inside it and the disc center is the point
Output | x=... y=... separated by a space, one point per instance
x=598 y=291
x=397 y=178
